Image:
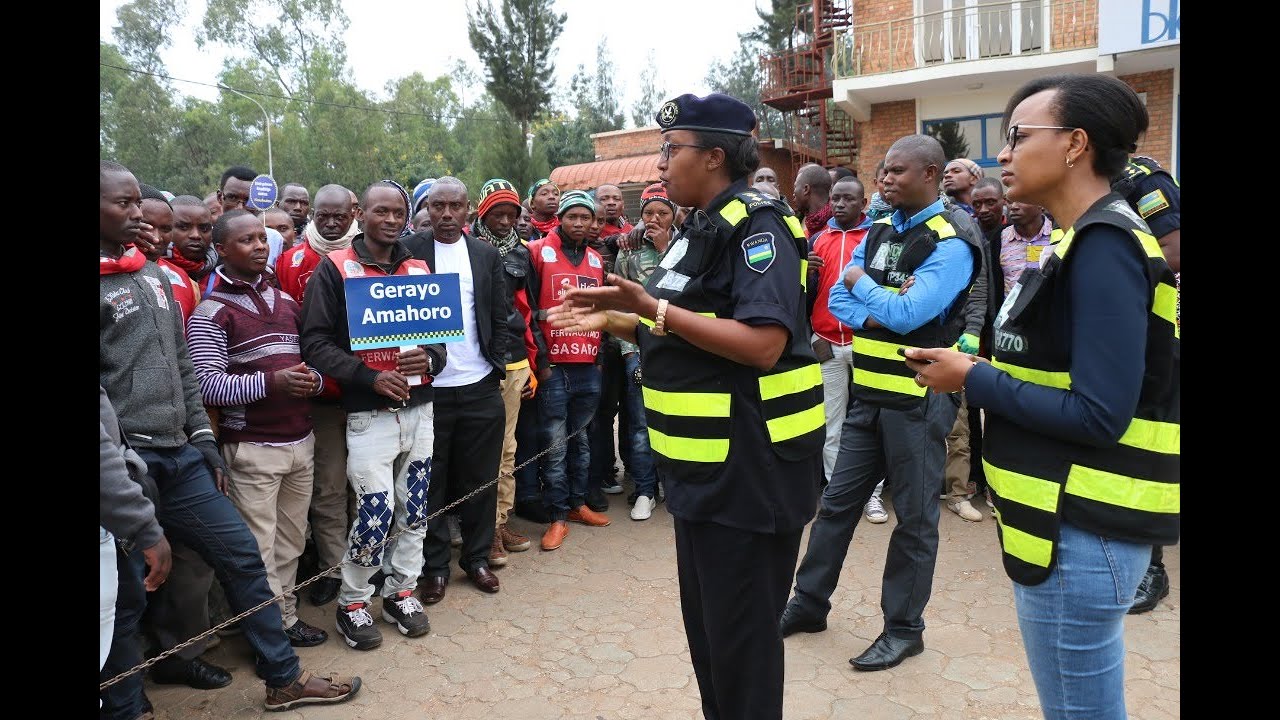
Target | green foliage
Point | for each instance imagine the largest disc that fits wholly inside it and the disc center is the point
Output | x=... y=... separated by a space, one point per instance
x=777 y=24
x=595 y=94
x=515 y=44
x=740 y=77
x=954 y=144
x=567 y=142
x=651 y=95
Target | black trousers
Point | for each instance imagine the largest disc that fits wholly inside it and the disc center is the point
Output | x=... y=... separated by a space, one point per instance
x=977 y=475
x=733 y=587
x=469 y=423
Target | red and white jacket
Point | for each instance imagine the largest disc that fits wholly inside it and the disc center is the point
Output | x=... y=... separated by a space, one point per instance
x=835 y=247
x=555 y=276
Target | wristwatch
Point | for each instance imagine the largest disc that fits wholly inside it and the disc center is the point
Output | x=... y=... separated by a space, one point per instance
x=660 y=319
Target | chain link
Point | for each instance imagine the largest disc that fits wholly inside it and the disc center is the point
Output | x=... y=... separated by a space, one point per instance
x=365 y=553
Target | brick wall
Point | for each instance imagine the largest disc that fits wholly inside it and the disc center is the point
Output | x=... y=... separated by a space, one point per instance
x=625 y=143
x=1073 y=24
x=889 y=121
x=881 y=45
x=1158 y=142
x=780 y=161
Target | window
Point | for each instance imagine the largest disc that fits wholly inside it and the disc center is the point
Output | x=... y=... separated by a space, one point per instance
x=976 y=137
x=950 y=30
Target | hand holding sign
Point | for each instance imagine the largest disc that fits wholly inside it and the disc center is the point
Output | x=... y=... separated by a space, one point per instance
x=413 y=361
x=392 y=384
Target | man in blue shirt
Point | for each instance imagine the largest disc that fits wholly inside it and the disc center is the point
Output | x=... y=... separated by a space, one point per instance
x=893 y=428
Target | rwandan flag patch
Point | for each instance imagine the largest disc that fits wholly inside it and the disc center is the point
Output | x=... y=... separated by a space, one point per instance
x=758 y=251
x=1152 y=203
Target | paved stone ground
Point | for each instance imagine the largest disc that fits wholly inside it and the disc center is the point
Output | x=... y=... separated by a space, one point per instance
x=593 y=631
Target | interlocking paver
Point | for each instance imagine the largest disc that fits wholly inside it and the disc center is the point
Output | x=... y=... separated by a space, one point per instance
x=594 y=631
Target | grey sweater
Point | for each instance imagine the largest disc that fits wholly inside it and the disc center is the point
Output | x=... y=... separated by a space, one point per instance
x=975 y=309
x=143 y=362
x=123 y=507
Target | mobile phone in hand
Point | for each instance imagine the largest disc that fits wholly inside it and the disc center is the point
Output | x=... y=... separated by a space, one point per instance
x=903 y=353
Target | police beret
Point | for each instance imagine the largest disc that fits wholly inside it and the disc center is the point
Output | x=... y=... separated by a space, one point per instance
x=716 y=112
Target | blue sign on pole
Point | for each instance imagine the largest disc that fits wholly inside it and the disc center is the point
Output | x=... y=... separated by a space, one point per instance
x=262 y=192
x=399 y=310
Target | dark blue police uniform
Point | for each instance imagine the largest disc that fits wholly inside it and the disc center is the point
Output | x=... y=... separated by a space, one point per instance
x=738 y=449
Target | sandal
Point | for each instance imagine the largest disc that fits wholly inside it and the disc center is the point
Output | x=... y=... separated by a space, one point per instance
x=310 y=688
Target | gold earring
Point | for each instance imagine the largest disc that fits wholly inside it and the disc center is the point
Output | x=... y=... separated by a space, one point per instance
x=1070 y=162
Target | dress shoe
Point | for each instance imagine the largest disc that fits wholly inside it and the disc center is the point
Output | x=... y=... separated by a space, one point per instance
x=324 y=591
x=304 y=635
x=1154 y=586
x=433 y=589
x=555 y=535
x=194 y=673
x=483 y=578
x=587 y=516
x=887 y=651
x=794 y=621
x=533 y=511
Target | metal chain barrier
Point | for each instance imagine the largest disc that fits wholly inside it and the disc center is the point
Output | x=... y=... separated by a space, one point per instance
x=365 y=553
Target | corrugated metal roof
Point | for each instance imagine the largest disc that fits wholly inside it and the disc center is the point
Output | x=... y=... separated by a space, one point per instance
x=585 y=176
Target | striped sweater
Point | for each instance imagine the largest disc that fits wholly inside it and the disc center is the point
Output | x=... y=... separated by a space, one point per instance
x=237 y=337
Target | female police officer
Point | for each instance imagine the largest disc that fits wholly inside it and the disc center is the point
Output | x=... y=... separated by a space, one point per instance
x=1082 y=394
x=733 y=397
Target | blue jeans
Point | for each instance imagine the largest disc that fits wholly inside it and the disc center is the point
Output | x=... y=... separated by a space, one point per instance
x=528 y=487
x=125 y=700
x=643 y=471
x=1073 y=625
x=566 y=402
x=193 y=512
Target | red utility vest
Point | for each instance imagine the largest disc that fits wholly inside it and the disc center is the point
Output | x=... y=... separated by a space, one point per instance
x=349 y=265
x=294 y=268
x=185 y=290
x=556 y=275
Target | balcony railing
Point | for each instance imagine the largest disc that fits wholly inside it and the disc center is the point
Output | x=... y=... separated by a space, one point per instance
x=960 y=34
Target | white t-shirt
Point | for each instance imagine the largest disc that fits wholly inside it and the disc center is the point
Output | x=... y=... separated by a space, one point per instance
x=466 y=364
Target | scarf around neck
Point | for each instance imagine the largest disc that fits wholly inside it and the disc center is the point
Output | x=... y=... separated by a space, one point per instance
x=130 y=261
x=322 y=246
x=195 y=269
x=815 y=221
x=545 y=226
x=503 y=244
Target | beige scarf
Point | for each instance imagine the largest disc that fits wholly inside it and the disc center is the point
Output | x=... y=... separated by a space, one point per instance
x=322 y=246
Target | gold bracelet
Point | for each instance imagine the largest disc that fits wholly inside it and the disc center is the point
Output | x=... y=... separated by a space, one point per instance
x=660 y=319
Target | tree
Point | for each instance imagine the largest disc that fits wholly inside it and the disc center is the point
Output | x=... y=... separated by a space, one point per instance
x=954 y=144
x=286 y=47
x=418 y=132
x=567 y=142
x=515 y=46
x=142 y=30
x=652 y=95
x=777 y=25
x=740 y=77
x=595 y=94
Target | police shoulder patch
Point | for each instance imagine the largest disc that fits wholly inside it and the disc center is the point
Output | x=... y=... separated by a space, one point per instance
x=1152 y=203
x=757 y=250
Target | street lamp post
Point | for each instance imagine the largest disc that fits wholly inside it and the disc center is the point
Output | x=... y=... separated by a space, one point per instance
x=266 y=123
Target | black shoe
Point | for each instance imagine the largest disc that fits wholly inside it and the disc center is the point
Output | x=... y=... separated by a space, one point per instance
x=355 y=625
x=194 y=673
x=1154 y=587
x=405 y=612
x=533 y=511
x=886 y=652
x=324 y=591
x=794 y=621
x=596 y=499
x=304 y=635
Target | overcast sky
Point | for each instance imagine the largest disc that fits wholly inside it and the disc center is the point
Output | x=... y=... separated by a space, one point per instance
x=388 y=39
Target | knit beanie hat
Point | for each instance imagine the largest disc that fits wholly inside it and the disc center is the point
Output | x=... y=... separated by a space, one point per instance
x=575 y=198
x=656 y=193
x=534 y=187
x=420 y=195
x=496 y=192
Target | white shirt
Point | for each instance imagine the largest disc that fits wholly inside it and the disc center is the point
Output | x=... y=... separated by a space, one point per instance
x=466 y=364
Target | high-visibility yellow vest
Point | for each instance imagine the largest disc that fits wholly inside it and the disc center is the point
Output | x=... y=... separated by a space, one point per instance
x=880 y=374
x=700 y=406
x=1129 y=491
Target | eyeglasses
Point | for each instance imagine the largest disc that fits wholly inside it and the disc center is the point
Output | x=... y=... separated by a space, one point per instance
x=666 y=149
x=1012 y=139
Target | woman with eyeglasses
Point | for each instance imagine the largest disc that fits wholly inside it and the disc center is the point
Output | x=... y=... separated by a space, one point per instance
x=1082 y=438
x=732 y=395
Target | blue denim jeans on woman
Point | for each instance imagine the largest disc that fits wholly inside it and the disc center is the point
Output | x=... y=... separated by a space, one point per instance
x=641 y=464
x=1073 y=625
x=566 y=402
x=193 y=512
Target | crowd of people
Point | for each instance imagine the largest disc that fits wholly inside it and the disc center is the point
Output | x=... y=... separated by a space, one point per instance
x=239 y=426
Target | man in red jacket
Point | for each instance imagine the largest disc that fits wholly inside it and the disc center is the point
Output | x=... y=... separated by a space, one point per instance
x=832 y=340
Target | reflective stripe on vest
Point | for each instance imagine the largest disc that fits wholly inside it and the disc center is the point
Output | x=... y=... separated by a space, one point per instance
x=789 y=407
x=688 y=426
x=894 y=377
